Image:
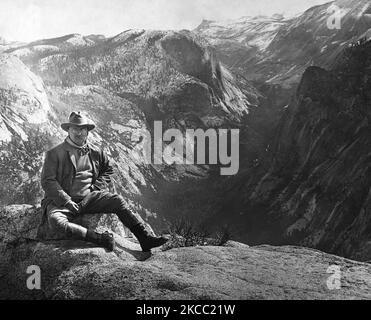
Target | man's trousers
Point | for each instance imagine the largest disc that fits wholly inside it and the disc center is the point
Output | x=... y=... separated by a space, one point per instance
x=61 y=218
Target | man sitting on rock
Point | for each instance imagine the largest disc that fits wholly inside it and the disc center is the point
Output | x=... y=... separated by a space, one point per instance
x=75 y=179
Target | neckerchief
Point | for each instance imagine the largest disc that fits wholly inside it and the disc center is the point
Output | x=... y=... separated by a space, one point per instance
x=82 y=150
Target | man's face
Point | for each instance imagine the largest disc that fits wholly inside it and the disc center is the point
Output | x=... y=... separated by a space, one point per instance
x=78 y=134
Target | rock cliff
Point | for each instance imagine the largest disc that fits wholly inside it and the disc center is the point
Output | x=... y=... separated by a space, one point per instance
x=314 y=189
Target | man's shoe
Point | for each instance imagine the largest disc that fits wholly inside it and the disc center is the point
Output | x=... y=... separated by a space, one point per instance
x=108 y=241
x=146 y=240
x=104 y=240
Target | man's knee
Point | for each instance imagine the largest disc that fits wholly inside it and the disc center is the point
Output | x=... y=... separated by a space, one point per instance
x=118 y=201
x=58 y=222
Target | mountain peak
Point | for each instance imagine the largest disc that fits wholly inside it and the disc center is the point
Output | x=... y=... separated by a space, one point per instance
x=127 y=34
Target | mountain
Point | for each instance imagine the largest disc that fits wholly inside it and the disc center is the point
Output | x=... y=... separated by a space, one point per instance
x=272 y=53
x=308 y=185
x=239 y=40
x=312 y=187
x=123 y=84
x=6 y=44
x=307 y=40
x=295 y=150
x=111 y=63
x=277 y=50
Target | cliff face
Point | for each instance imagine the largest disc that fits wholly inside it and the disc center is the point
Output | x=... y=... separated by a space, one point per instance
x=309 y=185
x=326 y=137
x=24 y=131
x=272 y=53
x=237 y=42
x=148 y=64
x=314 y=191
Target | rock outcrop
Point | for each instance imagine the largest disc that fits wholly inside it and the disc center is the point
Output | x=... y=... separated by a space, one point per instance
x=71 y=269
x=234 y=271
x=22 y=223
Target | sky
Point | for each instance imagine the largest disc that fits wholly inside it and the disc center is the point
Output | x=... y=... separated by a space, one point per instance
x=28 y=20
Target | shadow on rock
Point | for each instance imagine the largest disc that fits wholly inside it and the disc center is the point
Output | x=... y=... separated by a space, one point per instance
x=137 y=254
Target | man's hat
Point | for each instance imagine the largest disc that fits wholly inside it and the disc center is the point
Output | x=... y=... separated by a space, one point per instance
x=78 y=120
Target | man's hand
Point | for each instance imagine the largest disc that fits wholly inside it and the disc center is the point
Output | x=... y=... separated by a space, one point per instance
x=73 y=207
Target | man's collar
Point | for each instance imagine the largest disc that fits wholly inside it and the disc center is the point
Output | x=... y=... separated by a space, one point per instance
x=73 y=146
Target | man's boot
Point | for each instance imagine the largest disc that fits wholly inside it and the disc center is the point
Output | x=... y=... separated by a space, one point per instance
x=104 y=240
x=146 y=240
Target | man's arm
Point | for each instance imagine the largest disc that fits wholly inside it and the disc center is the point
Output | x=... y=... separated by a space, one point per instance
x=49 y=182
x=105 y=171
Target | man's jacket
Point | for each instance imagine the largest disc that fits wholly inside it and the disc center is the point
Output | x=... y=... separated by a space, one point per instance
x=59 y=171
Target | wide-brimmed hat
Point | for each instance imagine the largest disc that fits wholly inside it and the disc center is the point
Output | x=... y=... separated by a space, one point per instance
x=79 y=120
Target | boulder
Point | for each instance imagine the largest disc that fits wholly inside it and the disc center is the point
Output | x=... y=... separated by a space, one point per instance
x=26 y=222
x=19 y=222
x=72 y=269
x=75 y=270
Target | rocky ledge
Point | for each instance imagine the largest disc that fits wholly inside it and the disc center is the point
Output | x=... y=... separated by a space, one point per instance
x=75 y=270
x=72 y=269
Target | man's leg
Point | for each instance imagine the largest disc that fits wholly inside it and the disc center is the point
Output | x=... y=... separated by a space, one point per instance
x=106 y=202
x=59 y=220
